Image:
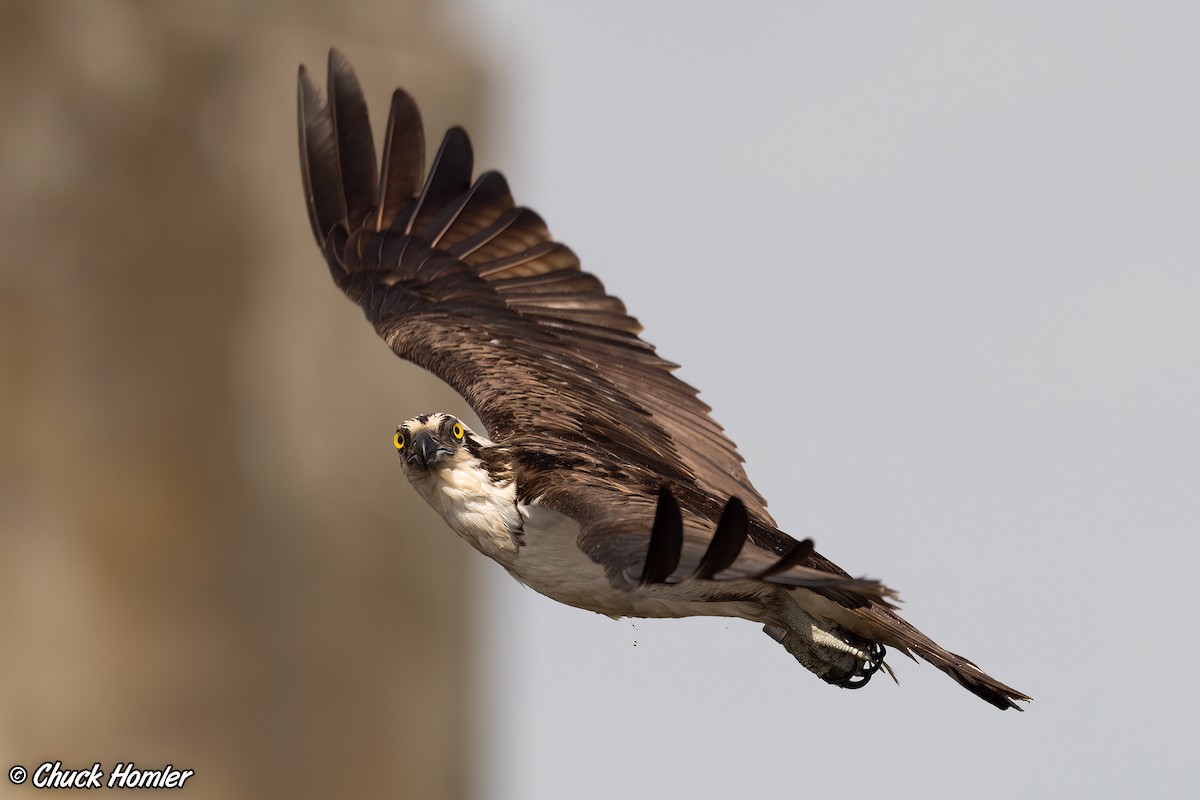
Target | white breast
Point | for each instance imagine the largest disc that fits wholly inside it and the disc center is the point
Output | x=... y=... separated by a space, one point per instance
x=538 y=547
x=551 y=563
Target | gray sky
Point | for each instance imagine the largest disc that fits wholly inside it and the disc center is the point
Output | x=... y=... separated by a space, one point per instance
x=935 y=268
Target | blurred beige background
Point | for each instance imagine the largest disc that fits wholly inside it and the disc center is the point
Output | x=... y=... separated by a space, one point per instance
x=200 y=563
x=962 y=240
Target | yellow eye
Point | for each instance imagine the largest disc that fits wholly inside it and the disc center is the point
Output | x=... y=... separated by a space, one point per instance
x=458 y=431
x=399 y=440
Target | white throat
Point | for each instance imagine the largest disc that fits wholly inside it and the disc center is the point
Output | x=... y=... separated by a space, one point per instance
x=482 y=511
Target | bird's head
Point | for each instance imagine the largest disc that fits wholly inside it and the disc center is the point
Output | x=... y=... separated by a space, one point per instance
x=425 y=441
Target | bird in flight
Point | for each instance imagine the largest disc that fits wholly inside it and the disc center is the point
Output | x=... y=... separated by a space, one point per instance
x=603 y=482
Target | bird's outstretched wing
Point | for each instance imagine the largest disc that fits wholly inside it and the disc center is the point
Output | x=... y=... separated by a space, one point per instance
x=463 y=282
x=458 y=279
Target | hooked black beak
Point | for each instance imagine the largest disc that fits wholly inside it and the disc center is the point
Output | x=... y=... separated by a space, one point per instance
x=425 y=450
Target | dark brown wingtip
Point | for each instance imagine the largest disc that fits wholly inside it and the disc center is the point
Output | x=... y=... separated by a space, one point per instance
x=796 y=556
x=403 y=158
x=318 y=159
x=727 y=541
x=449 y=176
x=666 y=540
x=352 y=131
x=487 y=199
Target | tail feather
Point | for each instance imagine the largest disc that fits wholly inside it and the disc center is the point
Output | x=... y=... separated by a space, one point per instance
x=973 y=679
x=891 y=629
x=881 y=625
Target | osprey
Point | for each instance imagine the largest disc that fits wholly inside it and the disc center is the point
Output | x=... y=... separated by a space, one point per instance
x=603 y=482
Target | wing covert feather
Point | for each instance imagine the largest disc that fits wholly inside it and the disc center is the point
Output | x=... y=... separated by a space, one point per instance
x=463 y=282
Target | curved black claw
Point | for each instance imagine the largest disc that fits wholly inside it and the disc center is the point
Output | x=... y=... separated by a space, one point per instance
x=795 y=557
x=865 y=669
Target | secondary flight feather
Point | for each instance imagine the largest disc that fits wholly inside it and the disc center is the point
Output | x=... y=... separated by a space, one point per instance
x=602 y=481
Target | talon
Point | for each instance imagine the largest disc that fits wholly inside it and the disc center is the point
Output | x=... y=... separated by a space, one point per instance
x=866 y=669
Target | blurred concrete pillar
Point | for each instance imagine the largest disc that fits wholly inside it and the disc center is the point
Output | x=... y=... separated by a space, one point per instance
x=208 y=554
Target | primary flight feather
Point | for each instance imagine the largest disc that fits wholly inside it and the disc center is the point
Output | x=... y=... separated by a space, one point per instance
x=603 y=481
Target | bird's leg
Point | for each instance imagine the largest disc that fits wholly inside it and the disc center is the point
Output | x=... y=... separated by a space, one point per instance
x=823 y=653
